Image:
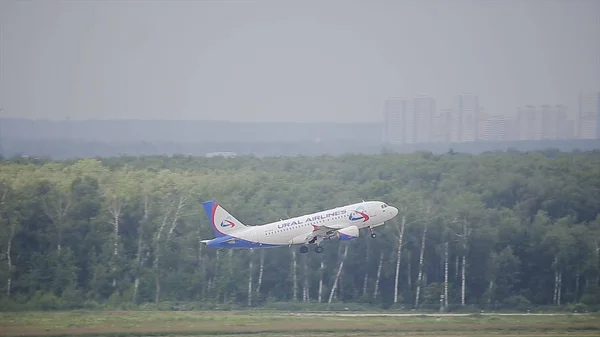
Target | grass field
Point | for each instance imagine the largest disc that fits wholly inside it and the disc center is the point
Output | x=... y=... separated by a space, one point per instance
x=141 y=323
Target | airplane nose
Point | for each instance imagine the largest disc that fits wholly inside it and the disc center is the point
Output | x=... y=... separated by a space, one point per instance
x=394 y=211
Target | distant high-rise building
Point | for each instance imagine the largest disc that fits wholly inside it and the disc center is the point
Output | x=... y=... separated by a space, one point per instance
x=482 y=117
x=440 y=126
x=424 y=110
x=550 y=120
x=393 y=113
x=454 y=125
x=410 y=123
x=588 y=117
x=529 y=123
x=564 y=127
x=555 y=124
x=494 y=129
x=467 y=108
x=547 y=122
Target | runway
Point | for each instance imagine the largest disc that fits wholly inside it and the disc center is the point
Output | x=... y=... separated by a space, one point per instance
x=359 y=314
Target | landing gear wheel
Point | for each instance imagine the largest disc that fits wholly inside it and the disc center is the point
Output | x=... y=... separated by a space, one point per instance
x=303 y=249
x=373 y=235
x=319 y=249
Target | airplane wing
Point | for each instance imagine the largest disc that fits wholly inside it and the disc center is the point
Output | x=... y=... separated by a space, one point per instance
x=323 y=231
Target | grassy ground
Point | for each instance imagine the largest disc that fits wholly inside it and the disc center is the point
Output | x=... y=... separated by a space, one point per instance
x=140 y=323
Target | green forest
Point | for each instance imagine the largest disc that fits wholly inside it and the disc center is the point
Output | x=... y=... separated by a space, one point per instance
x=495 y=231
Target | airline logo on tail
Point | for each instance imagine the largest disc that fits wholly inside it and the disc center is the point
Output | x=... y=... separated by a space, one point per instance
x=359 y=214
x=222 y=222
x=227 y=223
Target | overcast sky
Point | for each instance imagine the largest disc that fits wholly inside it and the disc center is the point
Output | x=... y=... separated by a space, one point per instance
x=290 y=60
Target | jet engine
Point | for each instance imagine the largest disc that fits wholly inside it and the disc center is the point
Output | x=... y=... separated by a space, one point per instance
x=348 y=233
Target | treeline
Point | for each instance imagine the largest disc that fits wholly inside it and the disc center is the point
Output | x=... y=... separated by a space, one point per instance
x=64 y=149
x=494 y=231
x=61 y=149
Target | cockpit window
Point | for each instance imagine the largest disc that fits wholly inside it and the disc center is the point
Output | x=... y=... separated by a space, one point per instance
x=384 y=206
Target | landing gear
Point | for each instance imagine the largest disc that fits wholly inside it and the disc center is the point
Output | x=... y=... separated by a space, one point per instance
x=373 y=235
x=303 y=249
x=318 y=249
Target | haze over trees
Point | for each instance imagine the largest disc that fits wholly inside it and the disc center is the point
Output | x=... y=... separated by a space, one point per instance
x=68 y=139
x=493 y=231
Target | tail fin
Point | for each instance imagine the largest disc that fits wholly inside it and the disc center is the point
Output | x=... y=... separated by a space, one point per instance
x=222 y=222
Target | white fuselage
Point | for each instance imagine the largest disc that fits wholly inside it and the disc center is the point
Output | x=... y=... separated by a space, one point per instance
x=295 y=230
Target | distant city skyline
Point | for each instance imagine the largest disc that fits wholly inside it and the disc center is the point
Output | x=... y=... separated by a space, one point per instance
x=302 y=61
x=406 y=122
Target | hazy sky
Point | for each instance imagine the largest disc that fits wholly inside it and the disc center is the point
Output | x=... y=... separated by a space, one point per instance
x=290 y=60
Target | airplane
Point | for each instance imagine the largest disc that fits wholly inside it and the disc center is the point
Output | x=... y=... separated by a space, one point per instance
x=341 y=223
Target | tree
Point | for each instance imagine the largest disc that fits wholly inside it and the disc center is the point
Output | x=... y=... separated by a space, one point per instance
x=492 y=230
